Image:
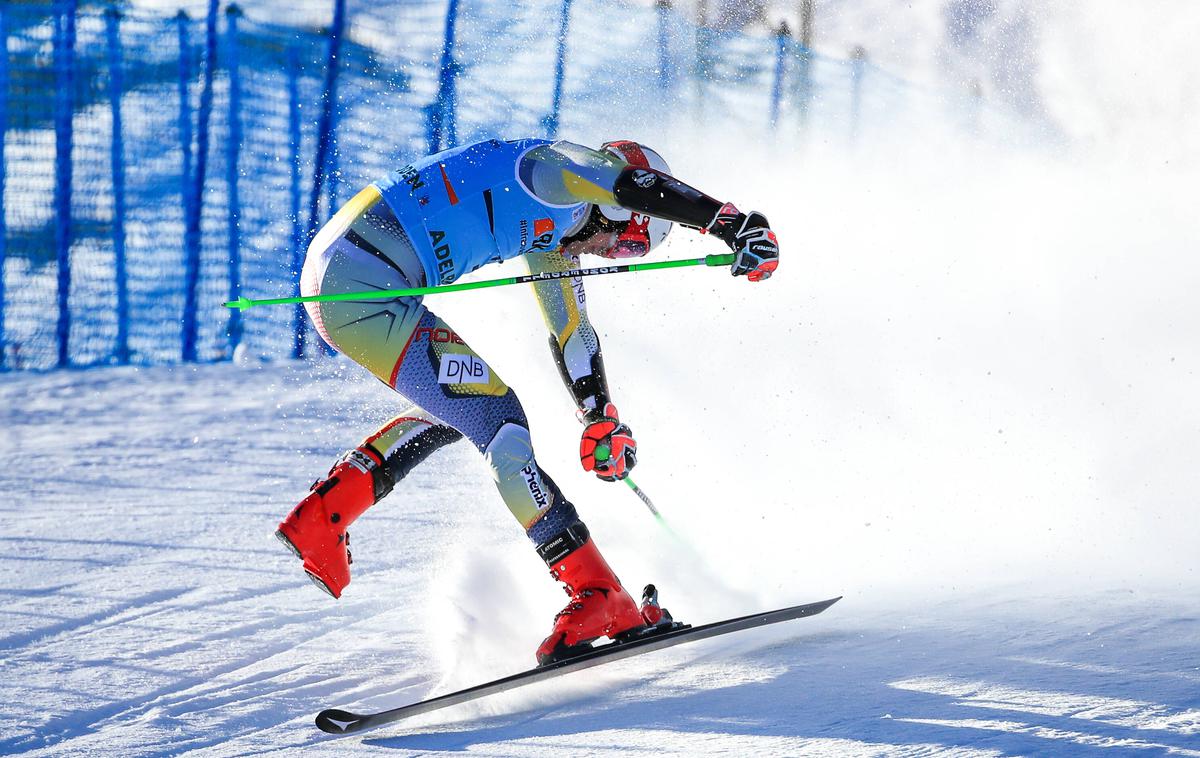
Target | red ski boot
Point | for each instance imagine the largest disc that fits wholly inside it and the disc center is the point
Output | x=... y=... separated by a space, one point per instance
x=315 y=530
x=599 y=605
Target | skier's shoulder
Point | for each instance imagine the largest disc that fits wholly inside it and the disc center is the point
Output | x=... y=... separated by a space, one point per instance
x=484 y=152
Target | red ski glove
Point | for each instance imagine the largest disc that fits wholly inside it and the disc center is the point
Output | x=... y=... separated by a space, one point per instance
x=607 y=448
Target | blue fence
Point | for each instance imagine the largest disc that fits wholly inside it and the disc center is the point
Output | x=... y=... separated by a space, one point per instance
x=152 y=166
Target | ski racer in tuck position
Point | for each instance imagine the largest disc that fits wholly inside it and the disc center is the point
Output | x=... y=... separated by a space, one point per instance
x=445 y=216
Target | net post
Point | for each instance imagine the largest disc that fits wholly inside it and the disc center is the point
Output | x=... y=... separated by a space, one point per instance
x=297 y=238
x=858 y=71
x=3 y=173
x=560 y=70
x=64 y=65
x=663 y=9
x=112 y=29
x=192 y=230
x=325 y=123
x=442 y=131
x=804 y=60
x=783 y=39
x=187 y=345
x=233 y=145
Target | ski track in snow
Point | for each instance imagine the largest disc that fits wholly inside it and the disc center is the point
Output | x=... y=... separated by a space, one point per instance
x=149 y=611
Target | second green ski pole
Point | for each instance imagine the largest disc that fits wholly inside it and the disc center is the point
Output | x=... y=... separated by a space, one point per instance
x=242 y=303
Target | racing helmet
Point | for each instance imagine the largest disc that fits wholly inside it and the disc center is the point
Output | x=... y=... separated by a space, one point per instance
x=639 y=233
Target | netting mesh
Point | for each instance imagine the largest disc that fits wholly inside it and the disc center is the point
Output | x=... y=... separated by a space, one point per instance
x=97 y=264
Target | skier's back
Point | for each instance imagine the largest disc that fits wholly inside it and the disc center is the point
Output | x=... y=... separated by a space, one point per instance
x=443 y=217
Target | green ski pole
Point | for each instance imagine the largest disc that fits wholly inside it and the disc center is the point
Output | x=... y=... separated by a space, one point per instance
x=602 y=453
x=242 y=303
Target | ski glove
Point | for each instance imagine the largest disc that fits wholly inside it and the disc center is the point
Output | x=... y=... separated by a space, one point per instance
x=749 y=236
x=607 y=448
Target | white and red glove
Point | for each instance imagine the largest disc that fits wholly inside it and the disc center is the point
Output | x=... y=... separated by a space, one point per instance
x=750 y=236
x=607 y=448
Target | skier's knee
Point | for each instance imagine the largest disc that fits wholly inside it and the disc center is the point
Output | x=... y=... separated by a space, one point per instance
x=509 y=452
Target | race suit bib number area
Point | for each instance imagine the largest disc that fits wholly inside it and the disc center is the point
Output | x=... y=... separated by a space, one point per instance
x=463 y=369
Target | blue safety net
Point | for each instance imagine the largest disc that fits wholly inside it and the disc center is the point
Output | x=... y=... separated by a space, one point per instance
x=156 y=165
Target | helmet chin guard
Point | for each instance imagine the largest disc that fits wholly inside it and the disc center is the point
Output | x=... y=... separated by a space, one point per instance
x=641 y=233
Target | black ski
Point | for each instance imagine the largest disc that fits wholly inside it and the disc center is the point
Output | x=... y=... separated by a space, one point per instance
x=337 y=721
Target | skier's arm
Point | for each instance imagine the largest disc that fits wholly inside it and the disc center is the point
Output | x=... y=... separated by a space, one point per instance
x=563 y=173
x=650 y=191
x=576 y=351
x=573 y=341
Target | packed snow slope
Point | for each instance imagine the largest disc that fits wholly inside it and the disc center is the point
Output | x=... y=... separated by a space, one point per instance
x=966 y=402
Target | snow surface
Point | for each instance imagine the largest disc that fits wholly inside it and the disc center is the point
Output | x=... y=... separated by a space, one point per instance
x=149 y=611
x=966 y=402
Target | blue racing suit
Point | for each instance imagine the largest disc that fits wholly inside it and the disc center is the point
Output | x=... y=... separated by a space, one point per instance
x=466 y=207
x=432 y=222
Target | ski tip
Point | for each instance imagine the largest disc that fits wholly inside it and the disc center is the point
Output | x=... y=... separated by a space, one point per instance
x=335 y=721
x=812 y=609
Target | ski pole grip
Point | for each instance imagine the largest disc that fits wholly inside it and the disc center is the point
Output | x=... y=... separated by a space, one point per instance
x=719 y=260
x=602 y=453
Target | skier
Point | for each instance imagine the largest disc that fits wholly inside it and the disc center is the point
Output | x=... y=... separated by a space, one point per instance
x=445 y=216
